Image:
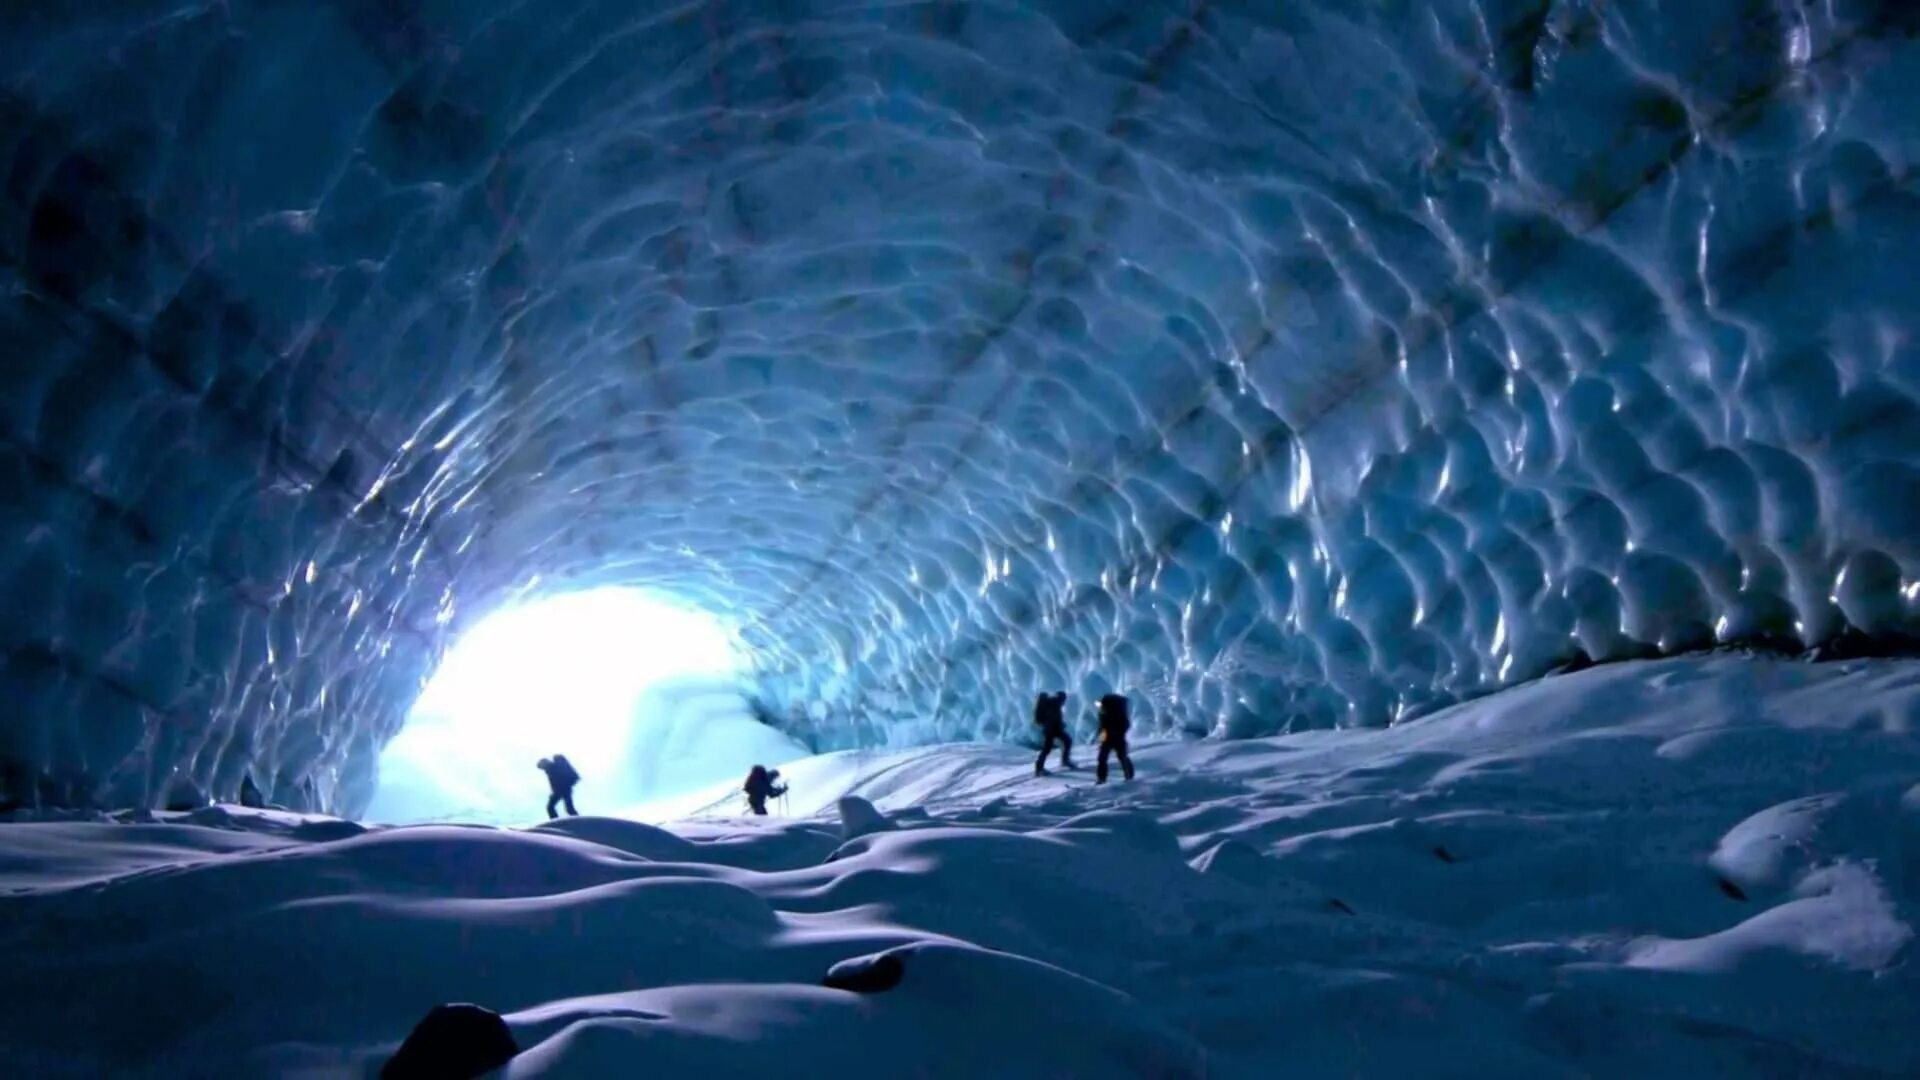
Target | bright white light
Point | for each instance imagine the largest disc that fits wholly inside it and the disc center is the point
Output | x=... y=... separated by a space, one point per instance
x=567 y=671
x=639 y=694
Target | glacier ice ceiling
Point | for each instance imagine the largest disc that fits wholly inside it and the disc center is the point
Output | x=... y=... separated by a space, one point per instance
x=1283 y=364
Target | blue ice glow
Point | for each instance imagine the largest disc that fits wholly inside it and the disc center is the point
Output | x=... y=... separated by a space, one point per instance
x=638 y=692
x=935 y=345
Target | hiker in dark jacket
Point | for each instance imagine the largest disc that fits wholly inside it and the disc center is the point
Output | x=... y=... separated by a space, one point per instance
x=760 y=787
x=560 y=778
x=1050 y=716
x=1115 y=720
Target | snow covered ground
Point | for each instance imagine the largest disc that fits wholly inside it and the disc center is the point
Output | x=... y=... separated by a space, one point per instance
x=1692 y=867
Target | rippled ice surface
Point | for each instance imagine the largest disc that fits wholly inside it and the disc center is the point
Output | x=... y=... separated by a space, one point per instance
x=1285 y=365
x=1681 y=868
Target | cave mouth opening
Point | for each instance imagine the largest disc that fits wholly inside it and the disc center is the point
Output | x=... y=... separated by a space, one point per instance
x=644 y=694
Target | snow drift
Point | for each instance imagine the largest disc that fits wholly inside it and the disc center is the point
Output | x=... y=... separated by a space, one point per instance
x=1684 y=868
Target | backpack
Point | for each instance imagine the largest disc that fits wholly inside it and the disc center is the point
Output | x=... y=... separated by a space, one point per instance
x=1049 y=713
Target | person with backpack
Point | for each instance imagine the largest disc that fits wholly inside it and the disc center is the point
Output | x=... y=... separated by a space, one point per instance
x=760 y=787
x=1115 y=720
x=1050 y=716
x=561 y=777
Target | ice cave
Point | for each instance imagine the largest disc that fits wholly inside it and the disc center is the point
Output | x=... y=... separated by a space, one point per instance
x=1480 y=439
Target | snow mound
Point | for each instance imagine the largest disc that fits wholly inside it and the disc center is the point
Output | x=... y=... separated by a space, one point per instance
x=858 y=817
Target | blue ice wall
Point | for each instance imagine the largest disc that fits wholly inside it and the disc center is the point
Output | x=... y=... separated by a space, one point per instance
x=1283 y=364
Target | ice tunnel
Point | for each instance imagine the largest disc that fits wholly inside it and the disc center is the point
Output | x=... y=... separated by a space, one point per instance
x=1281 y=364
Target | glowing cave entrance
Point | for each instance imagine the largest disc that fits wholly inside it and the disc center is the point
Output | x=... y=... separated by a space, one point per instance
x=641 y=694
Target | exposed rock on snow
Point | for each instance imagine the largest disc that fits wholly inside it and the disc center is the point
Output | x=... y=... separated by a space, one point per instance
x=186 y=795
x=453 y=1042
x=866 y=974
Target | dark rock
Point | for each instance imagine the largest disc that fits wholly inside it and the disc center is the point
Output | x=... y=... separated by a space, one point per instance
x=185 y=796
x=1340 y=905
x=866 y=974
x=453 y=1042
x=1732 y=890
x=1443 y=854
x=320 y=832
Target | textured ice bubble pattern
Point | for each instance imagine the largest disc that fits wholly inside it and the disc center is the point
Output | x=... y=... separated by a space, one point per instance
x=1281 y=364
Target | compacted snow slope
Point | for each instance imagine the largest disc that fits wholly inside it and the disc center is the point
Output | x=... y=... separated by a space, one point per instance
x=1701 y=866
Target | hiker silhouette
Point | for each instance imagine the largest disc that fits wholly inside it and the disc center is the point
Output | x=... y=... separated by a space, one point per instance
x=760 y=787
x=1050 y=716
x=1116 y=720
x=561 y=777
